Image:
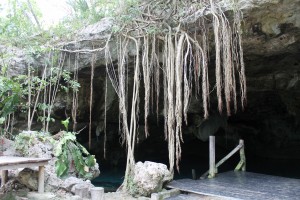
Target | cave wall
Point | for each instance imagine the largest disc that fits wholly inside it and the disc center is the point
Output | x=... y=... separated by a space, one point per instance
x=270 y=122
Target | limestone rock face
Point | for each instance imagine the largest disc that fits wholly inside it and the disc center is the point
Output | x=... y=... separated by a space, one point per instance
x=271 y=27
x=149 y=178
x=98 y=30
x=7 y=147
x=18 y=60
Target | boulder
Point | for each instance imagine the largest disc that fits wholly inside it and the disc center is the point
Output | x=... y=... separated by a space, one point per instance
x=71 y=183
x=29 y=178
x=149 y=177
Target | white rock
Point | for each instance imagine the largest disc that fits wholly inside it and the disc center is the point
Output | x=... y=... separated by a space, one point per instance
x=70 y=183
x=149 y=177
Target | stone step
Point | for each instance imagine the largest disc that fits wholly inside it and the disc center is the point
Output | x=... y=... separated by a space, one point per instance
x=40 y=196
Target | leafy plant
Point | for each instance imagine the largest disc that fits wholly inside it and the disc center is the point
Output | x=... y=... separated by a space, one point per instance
x=69 y=151
x=23 y=141
x=20 y=22
x=10 y=95
x=66 y=123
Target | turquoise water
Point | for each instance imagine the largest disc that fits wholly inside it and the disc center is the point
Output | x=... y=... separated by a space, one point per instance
x=109 y=179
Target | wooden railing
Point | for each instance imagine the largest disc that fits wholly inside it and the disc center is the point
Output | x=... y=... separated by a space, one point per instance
x=213 y=167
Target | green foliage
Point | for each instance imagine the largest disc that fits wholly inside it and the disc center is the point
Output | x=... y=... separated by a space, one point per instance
x=22 y=142
x=68 y=151
x=86 y=12
x=11 y=94
x=18 y=27
x=25 y=139
x=15 y=92
x=71 y=84
x=66 y=123
x=2 y=120
x=17 y=24
x=92 y=11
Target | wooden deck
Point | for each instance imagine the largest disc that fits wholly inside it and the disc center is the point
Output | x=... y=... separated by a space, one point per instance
x=242 y=185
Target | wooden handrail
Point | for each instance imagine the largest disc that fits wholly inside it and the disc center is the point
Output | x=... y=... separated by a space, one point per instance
x=213 y=168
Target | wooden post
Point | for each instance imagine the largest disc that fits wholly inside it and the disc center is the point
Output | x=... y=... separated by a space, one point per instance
x=212 y=157
x=3 y=177
x=41 y=179
x=242 y=155
x=242 y=164
x=194 y=174
x=97 y=193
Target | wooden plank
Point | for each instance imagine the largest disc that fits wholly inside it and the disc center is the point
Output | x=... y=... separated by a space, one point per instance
x=23 y=165
x=8 y=160
x=242 y=185
x=229 y=155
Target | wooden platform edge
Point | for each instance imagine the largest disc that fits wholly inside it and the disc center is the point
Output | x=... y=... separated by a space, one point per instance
x=24 y=161
x=23 y=165
x=202 y=193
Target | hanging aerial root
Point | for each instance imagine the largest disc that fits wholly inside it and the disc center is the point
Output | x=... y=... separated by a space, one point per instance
x=183 y=58
x=147 y=73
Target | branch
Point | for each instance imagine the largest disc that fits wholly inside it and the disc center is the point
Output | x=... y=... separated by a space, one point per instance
x=34 y=15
